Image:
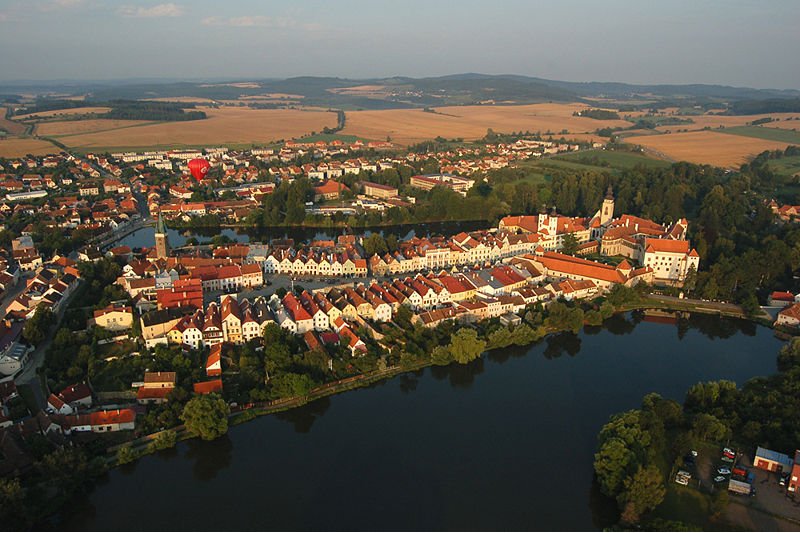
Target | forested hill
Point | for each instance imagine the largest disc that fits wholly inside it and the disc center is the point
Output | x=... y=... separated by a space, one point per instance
x=399 y=92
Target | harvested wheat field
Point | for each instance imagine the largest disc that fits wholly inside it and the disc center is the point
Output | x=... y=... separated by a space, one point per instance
x=63 y=112
x=227 y=125
x=407 y=126
x=74 y=127
x=15 y=147
x=715 y=121
x=785 y=123
x=13 y=128
x=707 y=147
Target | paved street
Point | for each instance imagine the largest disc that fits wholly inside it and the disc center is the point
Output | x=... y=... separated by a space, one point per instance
x=28 y=375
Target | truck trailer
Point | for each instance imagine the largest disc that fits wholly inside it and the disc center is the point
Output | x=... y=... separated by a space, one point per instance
x=740 y=487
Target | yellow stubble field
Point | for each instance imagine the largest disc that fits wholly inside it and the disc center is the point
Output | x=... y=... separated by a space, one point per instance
x=63 y=112
x=16 y=147
x=407 y=126
x=74 y=127
x=706 y=147
x=226 y=125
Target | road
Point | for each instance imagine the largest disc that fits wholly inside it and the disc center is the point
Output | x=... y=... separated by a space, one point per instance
x=9 y=296
x=692 y=304
x=28 y=374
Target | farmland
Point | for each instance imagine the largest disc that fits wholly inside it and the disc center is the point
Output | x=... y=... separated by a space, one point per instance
x=700 y=122
x=408 y=126
x=613 y=159
x=13 y=128
x=19 y=147
x=770 y=134
x=63 y=113
x=786 y=166
x=707 y=147
x=227 y=125
x=75 y=127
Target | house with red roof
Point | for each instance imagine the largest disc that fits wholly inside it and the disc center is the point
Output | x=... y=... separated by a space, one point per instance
x=77 y=395
x=330 y=190
x=789 y=316
x=214 y=361
x=671 y=260
x=207 y=387
x=781 y=299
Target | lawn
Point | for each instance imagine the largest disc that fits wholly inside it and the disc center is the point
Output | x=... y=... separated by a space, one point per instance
x=684 y=504
x=785 y=166
x=614 y=159
x=769 y=134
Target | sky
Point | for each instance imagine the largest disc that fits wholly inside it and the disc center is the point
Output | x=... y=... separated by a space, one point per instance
x=730 y=42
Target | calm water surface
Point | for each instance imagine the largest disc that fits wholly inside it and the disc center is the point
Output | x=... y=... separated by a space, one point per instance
x=503 y=443
x=145 y=236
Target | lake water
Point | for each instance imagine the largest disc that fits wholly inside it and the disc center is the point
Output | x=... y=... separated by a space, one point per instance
x=145 y=236
x=506 y=442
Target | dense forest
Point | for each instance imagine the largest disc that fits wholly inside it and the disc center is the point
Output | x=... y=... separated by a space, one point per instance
x=599 y=114
x=140 y=110
x=771 y=105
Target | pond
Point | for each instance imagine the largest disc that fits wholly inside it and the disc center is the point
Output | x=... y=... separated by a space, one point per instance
x=506 y=442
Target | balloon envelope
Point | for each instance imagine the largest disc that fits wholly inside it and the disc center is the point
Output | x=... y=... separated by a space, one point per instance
x=199 y=168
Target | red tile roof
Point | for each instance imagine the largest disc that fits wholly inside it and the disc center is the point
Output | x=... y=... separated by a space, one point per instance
x=207 y=387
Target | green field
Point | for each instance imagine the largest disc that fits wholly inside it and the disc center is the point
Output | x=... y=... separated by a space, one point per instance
x=760 y=132
x=328 y=137
x=597 y=160
x=614 y=159
x=785 y=166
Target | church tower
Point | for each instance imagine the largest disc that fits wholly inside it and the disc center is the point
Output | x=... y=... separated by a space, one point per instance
x=162 y=246
x=607 y=211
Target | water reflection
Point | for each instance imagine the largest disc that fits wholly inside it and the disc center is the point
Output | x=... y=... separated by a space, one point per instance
x=460 y=376
x=209 y=458
x=561 y=343
x=621 y=324
x=302 y=418
x=145 y=236
x=409 y=382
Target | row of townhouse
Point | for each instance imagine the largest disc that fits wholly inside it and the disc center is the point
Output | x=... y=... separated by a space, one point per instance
x=325 y=263
x=45 y=288
x=476 y=248
x=164 y=287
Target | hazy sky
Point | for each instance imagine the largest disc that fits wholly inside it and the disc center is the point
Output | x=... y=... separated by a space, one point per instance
x=732 y=42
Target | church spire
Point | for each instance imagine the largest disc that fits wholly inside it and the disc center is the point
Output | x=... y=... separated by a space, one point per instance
x=160 y=224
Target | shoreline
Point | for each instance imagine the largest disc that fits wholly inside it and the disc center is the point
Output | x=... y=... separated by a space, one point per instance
x=242 y=415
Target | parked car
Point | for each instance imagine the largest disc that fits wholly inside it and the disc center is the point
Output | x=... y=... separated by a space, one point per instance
x=694 y=453
x=784 y=479
x=719 y=479
x=682 y=477
x=727 y=452
x=726 y=459
x=724 y=470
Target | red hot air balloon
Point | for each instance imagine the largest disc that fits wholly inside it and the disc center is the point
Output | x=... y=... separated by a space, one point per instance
x=199 y=168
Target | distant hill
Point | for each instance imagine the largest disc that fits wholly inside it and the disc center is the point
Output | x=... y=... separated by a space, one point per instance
x=403 y=92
